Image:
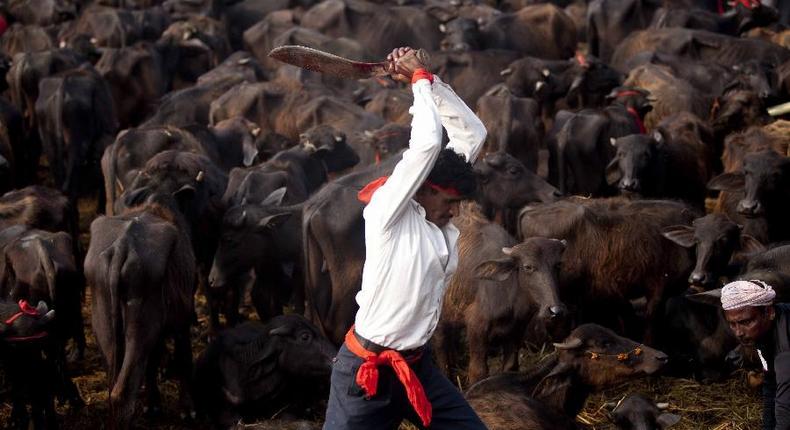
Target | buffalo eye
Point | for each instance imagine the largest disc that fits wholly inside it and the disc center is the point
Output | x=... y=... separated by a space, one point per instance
x=305 y=337
x=514 y=170
x=528 y=269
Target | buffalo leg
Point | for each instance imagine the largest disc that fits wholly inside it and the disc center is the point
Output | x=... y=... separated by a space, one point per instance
x=183 y=358
x=510 y=350
x=478 y=366
x=152 y=395
x=441 y=350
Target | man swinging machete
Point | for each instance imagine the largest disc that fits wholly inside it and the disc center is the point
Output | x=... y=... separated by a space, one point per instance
x=383 y=373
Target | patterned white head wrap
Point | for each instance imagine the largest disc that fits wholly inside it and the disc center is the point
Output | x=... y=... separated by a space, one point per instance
x=740 y=294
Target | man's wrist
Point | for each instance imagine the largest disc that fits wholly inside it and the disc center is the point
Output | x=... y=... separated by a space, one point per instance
x=421 y=74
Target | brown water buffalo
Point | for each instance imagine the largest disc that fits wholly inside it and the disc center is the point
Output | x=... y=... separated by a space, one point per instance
x=583 y=146
x=763 y=186
x=591 y=358
x=670 y=94
x=658 y=166
x=378 y=28
x=719 y=244
x=637 y=412
x=255 y=369
x=333 y=230
x=514 y=125
x=25 y=38
x=244 y=14
x=500 y=287
x=610 y=21
x=142 y=270
x=135 y=75
x=43 y=13
x=40 y=208
x=106 y=27
x=76 y=121
x=542 y=31
x=699 y=45
x=638 y=261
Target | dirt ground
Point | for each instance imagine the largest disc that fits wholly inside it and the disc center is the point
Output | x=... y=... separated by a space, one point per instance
x=730 y=405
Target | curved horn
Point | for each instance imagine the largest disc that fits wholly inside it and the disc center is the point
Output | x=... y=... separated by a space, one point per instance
x=569 y=344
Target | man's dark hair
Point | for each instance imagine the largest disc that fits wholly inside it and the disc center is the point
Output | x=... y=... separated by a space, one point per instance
x=452 y=171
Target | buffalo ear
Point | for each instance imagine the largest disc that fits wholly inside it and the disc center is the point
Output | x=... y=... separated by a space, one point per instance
x=667 y=420
x=275 y=198
x=249 y=151
x=272 y=221
x=749 y=244
x=613 y=173
x=135 y=197
x=496 y=270
x=184 y=196
x=727 y=182
x=683 y=235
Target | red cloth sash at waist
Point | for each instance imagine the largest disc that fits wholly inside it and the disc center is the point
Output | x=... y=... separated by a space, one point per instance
x=368 y=375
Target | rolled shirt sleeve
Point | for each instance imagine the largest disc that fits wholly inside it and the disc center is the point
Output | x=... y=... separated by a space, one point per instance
x=425 y=143
x=466 y=132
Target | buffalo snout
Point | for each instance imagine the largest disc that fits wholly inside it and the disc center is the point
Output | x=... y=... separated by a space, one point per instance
x=699 y=278
x=750 y=208
x=630 y=184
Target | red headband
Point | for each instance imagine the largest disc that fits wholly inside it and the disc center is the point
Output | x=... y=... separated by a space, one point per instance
x=367 y=191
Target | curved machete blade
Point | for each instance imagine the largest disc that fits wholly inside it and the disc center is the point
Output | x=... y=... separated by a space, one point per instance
x=324 y=62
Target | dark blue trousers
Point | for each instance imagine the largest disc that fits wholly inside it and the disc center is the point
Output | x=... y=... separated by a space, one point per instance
x=348 y=408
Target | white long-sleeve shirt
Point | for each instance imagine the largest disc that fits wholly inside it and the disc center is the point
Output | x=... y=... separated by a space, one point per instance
x=408 y=259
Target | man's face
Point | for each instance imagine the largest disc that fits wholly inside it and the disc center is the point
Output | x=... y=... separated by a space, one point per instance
x=439 y=206
x=751 y=323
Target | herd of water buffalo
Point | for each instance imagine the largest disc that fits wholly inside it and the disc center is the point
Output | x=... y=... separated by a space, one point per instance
x=222 y=173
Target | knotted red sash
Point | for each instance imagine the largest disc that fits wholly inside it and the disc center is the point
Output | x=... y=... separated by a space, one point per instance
x=368 y=375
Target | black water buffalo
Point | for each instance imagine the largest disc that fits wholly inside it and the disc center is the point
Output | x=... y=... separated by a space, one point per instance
x=378 y=28
x=610 y=21
x=142 y=270
x=254 y=198
x=333 y=229
x=551 y=395
x=762 y=186
x=472 y=73
x=638 y=261
x=191 y=105
x=635 y=412
x=733 y=22
x=27 y=70
x=583 y=146
x=76 y=121
x=254 y=368
x=499 y=288
x=656 y=166
x=192 y=185
x=719 y=244
x=513 y=123
x=581 y=81
x=29 y=372
x=136 y=77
